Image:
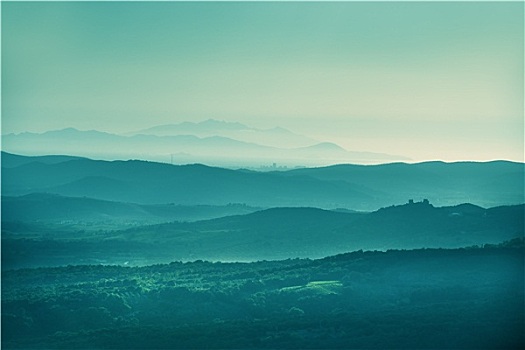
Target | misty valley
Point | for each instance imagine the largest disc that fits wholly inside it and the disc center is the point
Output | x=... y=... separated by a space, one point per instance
x=144 y=255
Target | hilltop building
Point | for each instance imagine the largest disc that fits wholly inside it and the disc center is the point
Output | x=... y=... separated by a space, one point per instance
x=424 y=202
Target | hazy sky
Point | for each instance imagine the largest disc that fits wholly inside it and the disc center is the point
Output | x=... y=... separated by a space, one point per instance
x=438 y=80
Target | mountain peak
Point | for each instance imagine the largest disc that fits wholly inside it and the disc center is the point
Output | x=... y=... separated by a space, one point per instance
x=70 y=129
x=221 y=124
x=326 y=146
x=209 y=126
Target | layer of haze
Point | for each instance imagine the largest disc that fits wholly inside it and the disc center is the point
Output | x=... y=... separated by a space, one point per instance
x=437 y=80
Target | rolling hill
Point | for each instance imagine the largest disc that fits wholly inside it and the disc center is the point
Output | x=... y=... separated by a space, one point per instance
x=354 y=187
x=281 y=233
x=10 y=160
x=51 y=208
x=483 y=183
x=272 y=234
x=157 y=183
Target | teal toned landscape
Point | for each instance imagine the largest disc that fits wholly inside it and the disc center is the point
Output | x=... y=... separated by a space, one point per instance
x=262 y=175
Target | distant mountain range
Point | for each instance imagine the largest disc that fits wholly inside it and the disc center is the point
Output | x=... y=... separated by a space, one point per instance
x=211 y=142
x=355 y=187
x=276 y=137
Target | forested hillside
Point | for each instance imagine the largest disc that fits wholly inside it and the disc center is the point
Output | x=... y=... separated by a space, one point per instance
x=92 y=214
x=431 y=298
x=271 y=234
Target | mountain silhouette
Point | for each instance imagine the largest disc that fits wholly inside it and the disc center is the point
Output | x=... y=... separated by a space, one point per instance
x=12 y=160
x=229 y=144
x=191 y=128
x=309 y=232
x=346 y=186
x=52 y=208
x=157 y=183
x=274 y=137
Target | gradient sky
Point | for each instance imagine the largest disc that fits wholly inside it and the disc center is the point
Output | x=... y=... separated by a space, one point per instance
x=438 y=80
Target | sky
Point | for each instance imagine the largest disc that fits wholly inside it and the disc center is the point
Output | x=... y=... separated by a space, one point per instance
x=427 y=80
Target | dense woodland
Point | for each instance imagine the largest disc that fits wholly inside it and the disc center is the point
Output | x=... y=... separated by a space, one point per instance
x=427 y=298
